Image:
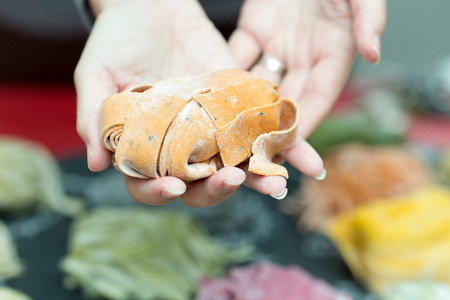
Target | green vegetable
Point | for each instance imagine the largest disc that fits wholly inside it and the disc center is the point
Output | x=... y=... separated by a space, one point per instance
x=142 y=254
x=351 y=127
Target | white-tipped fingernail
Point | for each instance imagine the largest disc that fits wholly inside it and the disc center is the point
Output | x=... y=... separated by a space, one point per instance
x=173 y=192
x=235 y=183
x=281 y=196
x=322 y=175
x=231 y=186
x=89 y=151
x=376 y=48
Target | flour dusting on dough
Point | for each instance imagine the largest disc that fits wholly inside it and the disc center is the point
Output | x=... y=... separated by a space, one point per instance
x=188 y=127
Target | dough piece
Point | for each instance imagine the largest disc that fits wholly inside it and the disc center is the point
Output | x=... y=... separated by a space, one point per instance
x=190 y=127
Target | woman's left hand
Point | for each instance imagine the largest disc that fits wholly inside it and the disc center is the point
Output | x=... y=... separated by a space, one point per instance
x=316 y=41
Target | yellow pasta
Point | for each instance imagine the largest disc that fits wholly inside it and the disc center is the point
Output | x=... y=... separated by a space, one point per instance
x=397 y=239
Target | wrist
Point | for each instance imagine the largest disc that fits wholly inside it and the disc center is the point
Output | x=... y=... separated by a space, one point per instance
x=88 y=10
x=97 y=6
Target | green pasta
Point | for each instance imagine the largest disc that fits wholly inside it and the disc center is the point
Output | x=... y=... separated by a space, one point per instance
x=7 y=293
x=143 y=254
x=443 y=167
x=30 y=177
x=10 y=265
x=417 y=290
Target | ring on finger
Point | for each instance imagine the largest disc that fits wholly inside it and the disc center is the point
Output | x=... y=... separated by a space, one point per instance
x=272 y=64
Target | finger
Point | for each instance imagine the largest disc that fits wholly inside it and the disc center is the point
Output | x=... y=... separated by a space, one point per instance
x=305 y=159
x=293 y=83
x=244 y=47
x=274 y=186
x=278 y=159
x=369 y=22
x=265 y=73
x=91 y=89
x=98 y=158
x=214 y=189
x=324 y=84
x=154 y=191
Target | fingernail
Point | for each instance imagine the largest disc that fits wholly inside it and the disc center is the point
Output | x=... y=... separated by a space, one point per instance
x=281 y=196
x=90 y=151
x=235 y=183
x=232 y=185
x=322 y=175
x=170 y=193
x=376 y=48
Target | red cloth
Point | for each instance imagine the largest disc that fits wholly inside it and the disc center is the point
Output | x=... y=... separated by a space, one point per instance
x=46 y=113
x=42 y=112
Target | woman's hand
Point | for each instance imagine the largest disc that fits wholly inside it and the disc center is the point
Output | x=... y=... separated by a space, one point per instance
x=316 y=41
x=139 y=41
x=135 y=42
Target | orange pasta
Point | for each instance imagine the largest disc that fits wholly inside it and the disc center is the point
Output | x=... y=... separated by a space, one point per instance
x=190 y=127
x=357 y=174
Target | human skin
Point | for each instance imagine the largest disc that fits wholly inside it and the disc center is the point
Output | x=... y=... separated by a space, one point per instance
x=317 y=41
x=144 y=41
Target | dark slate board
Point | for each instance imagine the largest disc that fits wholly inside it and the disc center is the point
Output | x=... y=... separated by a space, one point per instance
x=42 y=250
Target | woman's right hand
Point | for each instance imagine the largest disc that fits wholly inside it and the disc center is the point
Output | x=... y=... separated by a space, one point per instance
x=144 y=41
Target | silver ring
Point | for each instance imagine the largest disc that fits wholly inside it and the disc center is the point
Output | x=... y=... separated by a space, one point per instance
x=272 y=64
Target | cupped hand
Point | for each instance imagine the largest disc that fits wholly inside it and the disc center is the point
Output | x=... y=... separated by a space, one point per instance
x=144 y=41
x=316 y=40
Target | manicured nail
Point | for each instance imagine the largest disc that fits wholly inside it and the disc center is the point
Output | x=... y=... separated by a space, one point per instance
x=171 y=193
x=232 y=185
x=322 y=175
x=281 y=196
x=90 y=151
x=376 y=48
x=235 y=183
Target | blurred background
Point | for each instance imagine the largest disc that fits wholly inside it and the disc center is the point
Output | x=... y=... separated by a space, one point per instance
x=30 y=30
x=414 y=36
x=41 y=42
x=386 y=146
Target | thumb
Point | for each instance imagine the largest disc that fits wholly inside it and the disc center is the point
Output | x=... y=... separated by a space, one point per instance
x=91 y=91
x=369 y=22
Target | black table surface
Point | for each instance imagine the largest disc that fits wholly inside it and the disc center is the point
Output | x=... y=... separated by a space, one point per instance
x=42 y=251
